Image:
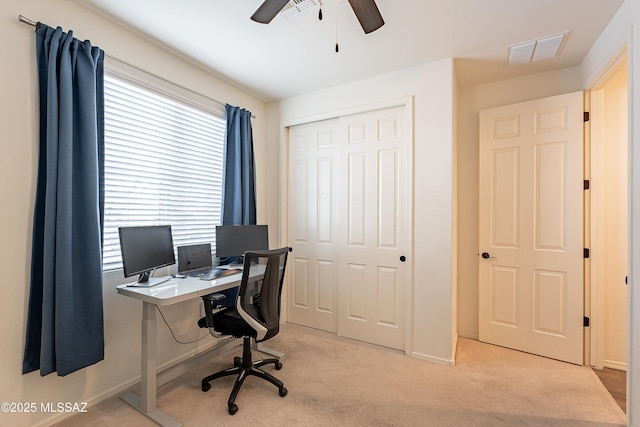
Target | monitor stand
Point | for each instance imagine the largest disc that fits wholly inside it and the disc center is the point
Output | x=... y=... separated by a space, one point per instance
x=144 y=281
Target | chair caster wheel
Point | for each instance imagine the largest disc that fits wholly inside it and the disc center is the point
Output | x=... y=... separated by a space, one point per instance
x=233 y=408
x=237 y=361
x=282 y=392
x=206 y=386
x=278 y=366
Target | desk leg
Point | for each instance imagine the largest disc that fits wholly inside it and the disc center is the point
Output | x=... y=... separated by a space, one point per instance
x=146 y=402
x=148 y=361
x=268 y=351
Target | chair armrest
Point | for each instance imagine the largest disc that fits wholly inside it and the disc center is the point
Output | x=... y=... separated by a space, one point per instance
x=214 y=297
x=211 y=302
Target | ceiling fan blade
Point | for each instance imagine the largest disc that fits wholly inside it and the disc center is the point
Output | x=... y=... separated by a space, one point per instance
x=368 y=14
x=268 y=10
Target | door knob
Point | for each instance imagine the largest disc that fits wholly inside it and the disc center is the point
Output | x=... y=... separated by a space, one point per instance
x=403 y=258
x=486 y=255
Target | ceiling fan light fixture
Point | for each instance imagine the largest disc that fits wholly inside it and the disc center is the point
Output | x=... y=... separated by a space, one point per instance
x=366 y=11
x=295 y=7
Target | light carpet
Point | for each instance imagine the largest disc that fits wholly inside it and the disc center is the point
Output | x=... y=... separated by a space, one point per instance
x=334 y=381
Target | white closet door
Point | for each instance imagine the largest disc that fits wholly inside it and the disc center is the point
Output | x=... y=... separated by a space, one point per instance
x=314 y=225
x=348 y=213
x=372 y=275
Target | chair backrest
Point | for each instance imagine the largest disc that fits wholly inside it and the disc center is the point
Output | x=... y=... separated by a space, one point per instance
x=260 y=290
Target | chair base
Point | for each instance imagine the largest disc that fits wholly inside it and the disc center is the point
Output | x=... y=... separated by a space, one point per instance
x=243 y=367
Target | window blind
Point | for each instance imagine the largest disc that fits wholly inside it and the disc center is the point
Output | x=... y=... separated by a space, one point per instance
x=163 y=165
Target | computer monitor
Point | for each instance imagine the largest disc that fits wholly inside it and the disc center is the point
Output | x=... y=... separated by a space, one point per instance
x=144 y=249
x=235 y=240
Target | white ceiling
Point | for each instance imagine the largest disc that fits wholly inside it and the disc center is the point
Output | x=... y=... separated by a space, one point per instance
x=292 y=56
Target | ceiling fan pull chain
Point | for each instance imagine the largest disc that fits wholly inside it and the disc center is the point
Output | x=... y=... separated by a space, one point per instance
x=337 y=47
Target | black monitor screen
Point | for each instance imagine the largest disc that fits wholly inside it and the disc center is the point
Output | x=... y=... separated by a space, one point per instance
x=145 y=249
x=235 y=240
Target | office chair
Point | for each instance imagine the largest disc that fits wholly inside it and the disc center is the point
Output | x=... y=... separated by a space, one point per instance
x=256 y=315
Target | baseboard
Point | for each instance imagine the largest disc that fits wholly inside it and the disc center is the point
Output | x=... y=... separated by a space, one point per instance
x=612 y=364
x=440 y=360
x=433 y=359
x=471 y=336
x=454 y=349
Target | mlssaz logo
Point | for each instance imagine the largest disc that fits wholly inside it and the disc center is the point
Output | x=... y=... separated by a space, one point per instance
x=63 y=407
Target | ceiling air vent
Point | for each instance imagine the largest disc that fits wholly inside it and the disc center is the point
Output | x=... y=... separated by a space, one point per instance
x=536 y=50
x=294 y=7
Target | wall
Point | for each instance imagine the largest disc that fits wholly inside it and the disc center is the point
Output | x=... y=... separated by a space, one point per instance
x=471 y=100
x=18 y=114
x=431 y=87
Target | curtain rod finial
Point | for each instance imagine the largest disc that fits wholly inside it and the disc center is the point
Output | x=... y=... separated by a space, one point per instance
x=28 y=21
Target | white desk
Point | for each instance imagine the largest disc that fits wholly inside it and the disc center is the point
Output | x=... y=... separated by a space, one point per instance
x=171 y=292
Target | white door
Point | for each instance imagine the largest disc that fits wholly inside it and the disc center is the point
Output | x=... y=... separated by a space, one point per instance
x=348 y=227
x=372 y=274
x=531 y=227
x=314 y=226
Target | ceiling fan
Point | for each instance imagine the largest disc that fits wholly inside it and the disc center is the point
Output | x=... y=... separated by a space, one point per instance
x=366 y=11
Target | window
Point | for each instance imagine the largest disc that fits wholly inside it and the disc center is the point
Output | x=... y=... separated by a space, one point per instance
x=163 y=165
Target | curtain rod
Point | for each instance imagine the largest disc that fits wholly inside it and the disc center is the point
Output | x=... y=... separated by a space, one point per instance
x=35 y=24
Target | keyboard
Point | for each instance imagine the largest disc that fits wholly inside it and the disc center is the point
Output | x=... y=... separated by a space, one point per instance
x=217 y=274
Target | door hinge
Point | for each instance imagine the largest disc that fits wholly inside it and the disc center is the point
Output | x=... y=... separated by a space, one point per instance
x=586 y=322
x=586 y=116
x=587 y=184
x=586 y=252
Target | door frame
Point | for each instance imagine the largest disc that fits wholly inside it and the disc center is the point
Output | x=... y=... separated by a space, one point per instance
x=594 y=232
x=406 y=102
